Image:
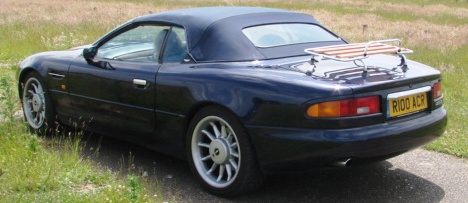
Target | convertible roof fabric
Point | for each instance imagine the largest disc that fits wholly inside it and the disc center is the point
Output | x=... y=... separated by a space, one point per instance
x=215 y=33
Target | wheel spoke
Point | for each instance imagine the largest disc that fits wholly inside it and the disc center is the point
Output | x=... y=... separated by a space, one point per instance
x=221 y=173
x=215 y=130
x=205 y=145
x=41 y=116
x=229 y=136
x=206 y=158
x=209 y=135
x=233 y=145
x=233 y=164
x=36 y=89
x=223 y=131
x=235 y=154
x=229 y=172
x=36 y=118
x=213 y=167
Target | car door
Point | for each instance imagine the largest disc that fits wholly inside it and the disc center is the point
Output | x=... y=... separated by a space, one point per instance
x=115 y=92
x=172 y=94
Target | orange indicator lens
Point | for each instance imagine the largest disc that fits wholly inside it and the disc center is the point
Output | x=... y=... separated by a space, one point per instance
x=345 y=108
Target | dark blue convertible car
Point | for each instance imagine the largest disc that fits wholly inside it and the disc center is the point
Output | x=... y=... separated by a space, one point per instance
x=239 y=92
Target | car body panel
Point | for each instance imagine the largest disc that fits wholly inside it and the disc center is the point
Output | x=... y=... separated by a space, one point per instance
x=110 y=97
x=286 y=149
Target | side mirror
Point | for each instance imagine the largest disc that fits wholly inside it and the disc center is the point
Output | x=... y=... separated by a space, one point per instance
x=89 y=54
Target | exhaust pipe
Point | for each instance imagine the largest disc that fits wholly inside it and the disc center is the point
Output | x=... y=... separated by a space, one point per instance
x=342 y=163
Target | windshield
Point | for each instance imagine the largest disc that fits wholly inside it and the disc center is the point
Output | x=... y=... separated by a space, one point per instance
x=286 y=34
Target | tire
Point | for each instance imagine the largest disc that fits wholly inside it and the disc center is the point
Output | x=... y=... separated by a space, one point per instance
x=37 y=106
x=220 y=153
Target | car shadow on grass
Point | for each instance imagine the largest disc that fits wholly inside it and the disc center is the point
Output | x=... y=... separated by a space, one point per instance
x=378 y=182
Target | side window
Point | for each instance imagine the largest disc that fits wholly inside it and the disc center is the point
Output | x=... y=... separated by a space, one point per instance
x=141 y=44
x=176 y=46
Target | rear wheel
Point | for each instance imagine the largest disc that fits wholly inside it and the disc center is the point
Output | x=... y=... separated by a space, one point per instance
x=221 y=155
x=37 y=105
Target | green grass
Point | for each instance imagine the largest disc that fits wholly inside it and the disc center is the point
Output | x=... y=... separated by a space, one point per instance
x=52 y=169
x=31 y=172
x=22 y=38
x=454 y=66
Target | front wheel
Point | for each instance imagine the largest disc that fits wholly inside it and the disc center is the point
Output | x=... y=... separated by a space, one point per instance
x=37 y=105
x=221 y=155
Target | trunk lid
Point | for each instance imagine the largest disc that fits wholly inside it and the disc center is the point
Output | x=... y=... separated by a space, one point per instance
x=382 y=69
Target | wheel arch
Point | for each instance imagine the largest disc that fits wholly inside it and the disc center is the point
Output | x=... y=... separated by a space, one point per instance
x=22 y=75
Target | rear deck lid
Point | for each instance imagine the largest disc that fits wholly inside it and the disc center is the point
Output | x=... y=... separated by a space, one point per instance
x=380 y=69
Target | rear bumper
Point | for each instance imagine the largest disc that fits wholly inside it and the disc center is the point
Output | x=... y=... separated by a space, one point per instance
x=280 y=149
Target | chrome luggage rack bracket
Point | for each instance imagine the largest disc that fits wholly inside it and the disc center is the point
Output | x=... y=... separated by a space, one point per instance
x=357 y=52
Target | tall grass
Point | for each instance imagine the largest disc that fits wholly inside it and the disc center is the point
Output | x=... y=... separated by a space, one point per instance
x=53 y=169
x=22 y=39
x=32 y=172
x=8 y=97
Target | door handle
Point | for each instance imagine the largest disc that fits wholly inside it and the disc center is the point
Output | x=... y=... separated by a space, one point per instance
x=140 y=83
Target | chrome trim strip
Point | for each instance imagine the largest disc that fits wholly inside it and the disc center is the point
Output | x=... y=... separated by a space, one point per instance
x=55 y=75
x=409 y=92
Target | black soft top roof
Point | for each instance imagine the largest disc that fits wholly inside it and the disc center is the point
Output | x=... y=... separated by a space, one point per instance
x=215 y=33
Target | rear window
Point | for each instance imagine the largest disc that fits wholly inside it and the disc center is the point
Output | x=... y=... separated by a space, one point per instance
x=286 y=34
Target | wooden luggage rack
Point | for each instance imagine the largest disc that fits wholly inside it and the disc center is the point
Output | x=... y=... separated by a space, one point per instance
x=358 y=52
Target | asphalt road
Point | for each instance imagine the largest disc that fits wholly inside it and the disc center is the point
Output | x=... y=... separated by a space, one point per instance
x=417 y=176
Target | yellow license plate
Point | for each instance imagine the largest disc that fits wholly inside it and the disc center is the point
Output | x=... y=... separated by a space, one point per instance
x=406 y=104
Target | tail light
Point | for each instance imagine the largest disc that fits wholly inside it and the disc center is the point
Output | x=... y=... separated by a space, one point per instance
x=436 y=91
x=345 y=108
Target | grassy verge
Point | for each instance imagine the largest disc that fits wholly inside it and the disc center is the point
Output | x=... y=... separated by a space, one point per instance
x=52 y=169
x=31 y=172
x=453 y=64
